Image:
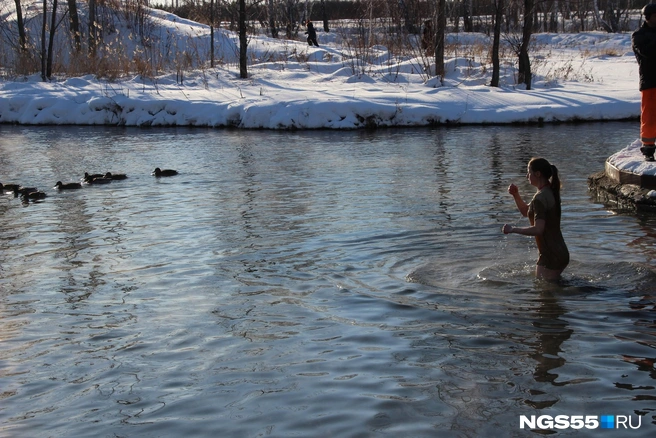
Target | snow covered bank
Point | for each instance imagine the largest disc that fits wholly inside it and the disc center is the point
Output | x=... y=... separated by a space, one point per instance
x=584 y=77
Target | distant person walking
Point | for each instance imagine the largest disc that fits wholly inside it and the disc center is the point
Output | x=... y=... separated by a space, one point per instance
x=311 y=33
x=643 y=41
x=543 y=213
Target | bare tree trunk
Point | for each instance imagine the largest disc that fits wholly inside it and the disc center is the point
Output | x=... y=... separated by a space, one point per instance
x=582 y=16
x=75 y=25
x=553 y=17
x=466 y=16
x=272 y=19
x=470 y=8
x=370 y=37
x=613 y=15
x=22 y=38
x=440 y=31
x=404 y=13
x=324 y=17
x=291 y=17
x=212 y=33
x=93 y=29
x=600 y=22
x=524 y=71
x=496 y=63
x=44 y=25
x=243 y=41
x=51 y=42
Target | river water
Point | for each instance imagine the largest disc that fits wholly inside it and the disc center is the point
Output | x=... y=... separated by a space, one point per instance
x=328 y=284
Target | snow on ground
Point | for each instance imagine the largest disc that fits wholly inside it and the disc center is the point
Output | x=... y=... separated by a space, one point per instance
x=630 y=159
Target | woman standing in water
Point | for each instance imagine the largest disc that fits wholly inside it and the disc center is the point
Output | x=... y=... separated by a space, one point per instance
x=544 y=216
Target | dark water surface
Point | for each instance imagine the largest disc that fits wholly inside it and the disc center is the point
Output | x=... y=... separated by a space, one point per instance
x=324 y=284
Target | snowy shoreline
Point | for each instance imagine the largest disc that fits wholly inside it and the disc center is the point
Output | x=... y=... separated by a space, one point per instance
x=256 y=103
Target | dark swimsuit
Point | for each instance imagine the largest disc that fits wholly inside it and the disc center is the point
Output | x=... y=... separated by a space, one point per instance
x=551 y=245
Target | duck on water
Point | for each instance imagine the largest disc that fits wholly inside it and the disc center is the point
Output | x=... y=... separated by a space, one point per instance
x=164 y=172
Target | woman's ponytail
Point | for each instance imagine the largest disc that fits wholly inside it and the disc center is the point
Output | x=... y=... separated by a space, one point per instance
x=555 y=184
x=550 y=172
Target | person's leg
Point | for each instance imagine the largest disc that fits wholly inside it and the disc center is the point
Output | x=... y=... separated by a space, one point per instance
x=648 y=123
x=543 y=273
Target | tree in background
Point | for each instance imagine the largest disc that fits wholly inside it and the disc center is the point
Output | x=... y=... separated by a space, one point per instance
x=496 y=62
x=93 y=29
x=524 y=69
x=44 y=27
x=243 y=41
x=324 y=17
x=212 y=33
x=440 y=17
x=467 y=7
x=22 y=38
x=74 y=21
x=51 y=39
x=271 y=12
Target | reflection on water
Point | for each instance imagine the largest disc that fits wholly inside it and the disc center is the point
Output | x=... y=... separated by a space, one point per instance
x=314 y=284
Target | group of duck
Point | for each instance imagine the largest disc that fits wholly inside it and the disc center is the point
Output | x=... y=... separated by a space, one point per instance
x=34 y=194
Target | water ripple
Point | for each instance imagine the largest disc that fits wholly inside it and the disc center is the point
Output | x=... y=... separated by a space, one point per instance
x=312 y=284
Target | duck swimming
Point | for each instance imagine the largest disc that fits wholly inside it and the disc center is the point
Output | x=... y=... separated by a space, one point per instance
x=8 y=188
x=89 y=177
x=99 y=180
x=24 y=190
x=33 y=195
x=164 y=172
x=115 y=176
x=67 y=186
